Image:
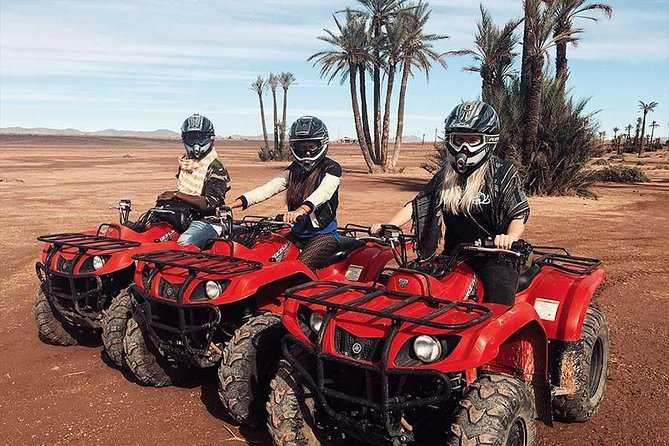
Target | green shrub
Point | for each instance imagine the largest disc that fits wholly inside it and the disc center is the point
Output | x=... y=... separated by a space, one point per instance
x=622 y=174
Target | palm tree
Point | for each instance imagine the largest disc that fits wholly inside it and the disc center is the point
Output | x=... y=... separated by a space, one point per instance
x=615 y=136
x=567 y=12
x=259 y=86
x=286 y=79
x=416 y=52
x=494 y=53
x=396 y=33
x=629 y=130
x=344 y=60
x=379 y=13
x=653 y=126
x=645 y=108
x=540 y=21
x=637 y=131
x=273 y=82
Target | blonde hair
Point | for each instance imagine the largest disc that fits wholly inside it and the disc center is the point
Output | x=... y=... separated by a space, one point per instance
x=457 y=200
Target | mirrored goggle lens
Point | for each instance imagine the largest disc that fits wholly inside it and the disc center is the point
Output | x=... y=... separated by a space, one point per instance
x=458 y=139
x=305 y=149
x=192 y=138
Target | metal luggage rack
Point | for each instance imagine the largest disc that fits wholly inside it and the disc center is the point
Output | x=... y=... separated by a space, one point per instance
x=364 y=295
x=84 y=242
x=200 y=262
x=564 y=261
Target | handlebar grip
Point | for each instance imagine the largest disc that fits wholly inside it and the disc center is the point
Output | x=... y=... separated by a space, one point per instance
x=518 y=245
x=278 y=217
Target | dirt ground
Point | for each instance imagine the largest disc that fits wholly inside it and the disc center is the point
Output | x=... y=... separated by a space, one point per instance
x=57 y=396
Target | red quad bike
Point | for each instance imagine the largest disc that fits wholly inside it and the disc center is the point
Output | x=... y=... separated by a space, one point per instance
x=222 y=307
x=81 y=273
x=417 y=358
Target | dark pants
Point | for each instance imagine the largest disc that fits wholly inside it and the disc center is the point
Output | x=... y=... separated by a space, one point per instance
x=499 y=275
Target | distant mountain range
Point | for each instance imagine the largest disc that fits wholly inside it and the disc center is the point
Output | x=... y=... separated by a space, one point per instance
x=160 y=133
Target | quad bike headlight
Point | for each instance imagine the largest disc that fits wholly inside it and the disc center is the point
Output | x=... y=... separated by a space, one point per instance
x=427 y=348
x=98 y=262
x=212 y=289
x=316 y=322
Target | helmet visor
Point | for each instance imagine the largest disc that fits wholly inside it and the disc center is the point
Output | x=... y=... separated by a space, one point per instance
x=306 y=149
x=192 y=138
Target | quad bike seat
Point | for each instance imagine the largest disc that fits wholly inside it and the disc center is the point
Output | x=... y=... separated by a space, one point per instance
x=525 y=279
x=346 y=246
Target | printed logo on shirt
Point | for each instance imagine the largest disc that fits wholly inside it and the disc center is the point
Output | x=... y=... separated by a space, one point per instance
x=481 y=199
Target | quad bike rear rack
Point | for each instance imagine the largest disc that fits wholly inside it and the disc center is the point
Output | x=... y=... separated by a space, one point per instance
x=564 y=261
x=199 y=262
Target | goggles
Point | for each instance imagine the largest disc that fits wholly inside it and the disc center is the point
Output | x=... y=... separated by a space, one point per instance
x=306 y=149
x=471 y=143
x=200 y=138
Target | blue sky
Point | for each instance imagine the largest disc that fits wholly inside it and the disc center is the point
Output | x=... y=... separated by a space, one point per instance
x=143 y=65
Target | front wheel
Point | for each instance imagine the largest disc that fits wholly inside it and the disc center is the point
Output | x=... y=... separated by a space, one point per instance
x=248 y=364
x=51 y=327
x=291 y=410
x=497 y=410
x=148 y=367
x=115 y=324
x=589 y=369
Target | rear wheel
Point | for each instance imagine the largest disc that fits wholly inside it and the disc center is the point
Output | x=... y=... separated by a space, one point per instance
x=248 y=364
x=497 y=410
x=51 y=326
x=114 y=326
x=589 y=370
x=143 y=359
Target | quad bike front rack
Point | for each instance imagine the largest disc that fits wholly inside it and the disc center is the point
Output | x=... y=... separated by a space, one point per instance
x=85 y=242
x=360 y=295
x=199 y=262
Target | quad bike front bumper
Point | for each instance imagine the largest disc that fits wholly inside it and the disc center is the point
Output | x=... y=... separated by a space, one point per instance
x=180 y=332
x=79 y=298
x=375 y=415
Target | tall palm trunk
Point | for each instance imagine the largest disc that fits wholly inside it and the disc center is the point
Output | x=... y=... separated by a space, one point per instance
x=486 y=85
x=377 y=94
x=262 y=118
x=652 y=132
x=358 y=123
x=529 y=43
x=363 y=105
x=386 y=116
x=282 y=130
x=400 y=114
x=643 y=131
x=276 y=124
x=533 y=106
x=561 y=63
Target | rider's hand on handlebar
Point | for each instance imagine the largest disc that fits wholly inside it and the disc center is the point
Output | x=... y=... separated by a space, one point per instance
x=376 y=229
x=167 y=195
x=291 y=217
x=504 y=241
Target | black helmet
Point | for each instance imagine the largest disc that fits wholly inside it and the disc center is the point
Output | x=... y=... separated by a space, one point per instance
x=308 y=141
x=471 y=134
x=197 y=134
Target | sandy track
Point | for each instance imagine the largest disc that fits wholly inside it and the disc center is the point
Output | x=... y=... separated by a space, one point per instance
x=57 y=396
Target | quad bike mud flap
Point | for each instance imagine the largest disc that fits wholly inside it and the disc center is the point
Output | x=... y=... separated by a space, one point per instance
x=78 y=308
x=178 y=342
x=395 y=430
x=565 y=367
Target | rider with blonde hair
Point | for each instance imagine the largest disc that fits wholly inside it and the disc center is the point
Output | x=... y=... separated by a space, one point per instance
x=475 y=196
